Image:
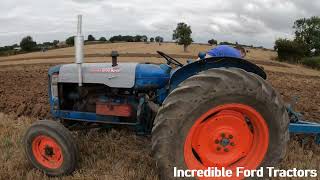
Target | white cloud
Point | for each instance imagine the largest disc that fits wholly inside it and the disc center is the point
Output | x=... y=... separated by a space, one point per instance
x=256 y=22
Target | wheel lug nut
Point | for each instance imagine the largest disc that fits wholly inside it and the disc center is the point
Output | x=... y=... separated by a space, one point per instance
x=226 y=150
x=217 y=141
x=218 y=148
x=223 y=135
x=230 y=136
x=232 y=144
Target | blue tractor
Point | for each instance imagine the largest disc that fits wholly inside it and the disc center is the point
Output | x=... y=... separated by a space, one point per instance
x=213 y=112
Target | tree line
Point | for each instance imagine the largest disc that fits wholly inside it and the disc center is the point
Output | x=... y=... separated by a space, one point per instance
x=304 y=48
x=27 y=44
x=181 y=35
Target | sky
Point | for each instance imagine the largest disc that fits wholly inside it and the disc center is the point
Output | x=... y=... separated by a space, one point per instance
x=256 y=22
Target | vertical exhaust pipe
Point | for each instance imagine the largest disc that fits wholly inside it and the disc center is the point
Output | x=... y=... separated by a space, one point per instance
x=79 y=43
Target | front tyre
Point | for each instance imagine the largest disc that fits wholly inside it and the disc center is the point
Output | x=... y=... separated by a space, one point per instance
x=222 y=117
x=50 y=147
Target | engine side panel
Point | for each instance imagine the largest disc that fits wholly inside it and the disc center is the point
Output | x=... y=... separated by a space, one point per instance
x=121 y=76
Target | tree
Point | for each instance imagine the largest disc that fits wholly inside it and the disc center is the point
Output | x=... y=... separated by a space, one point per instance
x=14 y=46
x=159 y=39
x=307 y=31
x=182 y=35
x=151 y=39
x=115 y=38
x=91 y=38
x=140 y=38
x=127 y=38
x=55 y=43
x=290 y=50
x=213 y=42
x=103 y=39
x=27 y=44
x=70 y=41
x=226 y=43
x=144 y=38
x=137 y=38
x=47 y=44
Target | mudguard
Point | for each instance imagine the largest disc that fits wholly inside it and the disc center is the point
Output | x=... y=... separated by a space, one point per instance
x=214 y=62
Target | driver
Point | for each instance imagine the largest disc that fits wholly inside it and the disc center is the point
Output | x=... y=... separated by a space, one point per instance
x=225 y=51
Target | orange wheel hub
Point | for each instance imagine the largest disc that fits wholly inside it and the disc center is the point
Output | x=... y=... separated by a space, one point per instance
x=47 y=152
x=230 y=136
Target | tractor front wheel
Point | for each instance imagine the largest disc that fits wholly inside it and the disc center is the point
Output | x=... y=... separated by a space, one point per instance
x=50 y=147
x=222 y=117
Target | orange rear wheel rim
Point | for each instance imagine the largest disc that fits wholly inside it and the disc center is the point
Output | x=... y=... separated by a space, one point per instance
x=47 y=152
x=229 y=136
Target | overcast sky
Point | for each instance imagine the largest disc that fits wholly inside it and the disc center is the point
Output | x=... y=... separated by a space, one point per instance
x=257 y=22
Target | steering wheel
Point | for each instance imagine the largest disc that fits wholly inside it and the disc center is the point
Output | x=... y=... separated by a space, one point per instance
x=170 y=60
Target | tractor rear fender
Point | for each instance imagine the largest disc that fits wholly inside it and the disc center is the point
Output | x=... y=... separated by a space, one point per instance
x=181 y=74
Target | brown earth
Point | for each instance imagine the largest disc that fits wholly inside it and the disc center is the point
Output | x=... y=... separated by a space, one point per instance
x=120 y=154
x=23 y=90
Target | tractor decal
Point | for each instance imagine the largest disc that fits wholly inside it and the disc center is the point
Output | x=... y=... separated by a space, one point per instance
x=105 y=70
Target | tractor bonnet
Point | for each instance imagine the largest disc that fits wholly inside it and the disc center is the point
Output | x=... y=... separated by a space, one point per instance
x=121 y=76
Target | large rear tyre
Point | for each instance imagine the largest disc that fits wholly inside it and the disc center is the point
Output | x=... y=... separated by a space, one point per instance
x=222 y=117
x=50 y=147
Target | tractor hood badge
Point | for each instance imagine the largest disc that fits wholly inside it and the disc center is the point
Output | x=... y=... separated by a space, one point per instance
x=105 y=70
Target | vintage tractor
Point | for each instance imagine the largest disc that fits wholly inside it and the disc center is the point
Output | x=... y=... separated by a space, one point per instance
x=213 y=112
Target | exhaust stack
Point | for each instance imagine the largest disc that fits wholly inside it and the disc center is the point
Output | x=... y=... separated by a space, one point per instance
x=79 y=43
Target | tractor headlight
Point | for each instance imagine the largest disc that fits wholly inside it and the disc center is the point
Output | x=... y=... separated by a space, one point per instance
x=54 y=85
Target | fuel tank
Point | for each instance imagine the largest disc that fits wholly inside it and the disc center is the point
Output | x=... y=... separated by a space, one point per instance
x=151 y=76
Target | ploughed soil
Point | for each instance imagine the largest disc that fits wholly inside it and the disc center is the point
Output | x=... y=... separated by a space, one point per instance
x=120 y=154
x=23 y=90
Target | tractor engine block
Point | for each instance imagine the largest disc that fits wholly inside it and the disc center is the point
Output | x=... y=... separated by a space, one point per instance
x=103 y=100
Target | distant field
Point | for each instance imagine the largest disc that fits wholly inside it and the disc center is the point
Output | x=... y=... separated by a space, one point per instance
x=170 y=48
x=146 y=52
x=137 y=48
x=120 y=154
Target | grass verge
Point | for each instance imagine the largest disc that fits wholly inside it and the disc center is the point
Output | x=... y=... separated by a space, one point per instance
x=313 y=62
